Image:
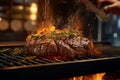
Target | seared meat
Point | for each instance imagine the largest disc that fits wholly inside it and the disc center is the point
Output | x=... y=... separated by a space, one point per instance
x=57 y=43
x=75 y=47
x=46 y=47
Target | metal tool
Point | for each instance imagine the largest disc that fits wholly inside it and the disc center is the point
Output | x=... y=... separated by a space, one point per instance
x=103 y=16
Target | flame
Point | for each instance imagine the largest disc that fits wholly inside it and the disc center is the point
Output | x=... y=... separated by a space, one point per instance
x=75 y=22
x=91 y=40
x=93 y=49
x=46 y=30
x=98 y=76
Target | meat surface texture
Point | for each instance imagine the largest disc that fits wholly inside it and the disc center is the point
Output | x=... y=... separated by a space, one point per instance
x=71 y=48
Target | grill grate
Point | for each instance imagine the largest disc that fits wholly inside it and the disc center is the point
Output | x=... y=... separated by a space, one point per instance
x=9 y=60
x=13 y=66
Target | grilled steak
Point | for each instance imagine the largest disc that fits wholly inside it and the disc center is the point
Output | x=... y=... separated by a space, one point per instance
x=68 y=45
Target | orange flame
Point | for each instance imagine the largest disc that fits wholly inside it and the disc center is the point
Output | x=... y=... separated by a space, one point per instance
x=94 y=50
x=46 y=30
x=98 y=76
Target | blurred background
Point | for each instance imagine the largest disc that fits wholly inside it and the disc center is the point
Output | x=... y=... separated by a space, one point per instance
x=18 y=18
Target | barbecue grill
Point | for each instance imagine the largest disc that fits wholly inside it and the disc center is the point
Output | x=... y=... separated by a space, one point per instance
x=16 y=67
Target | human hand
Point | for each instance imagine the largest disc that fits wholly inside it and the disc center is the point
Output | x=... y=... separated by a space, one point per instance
x=112 y=6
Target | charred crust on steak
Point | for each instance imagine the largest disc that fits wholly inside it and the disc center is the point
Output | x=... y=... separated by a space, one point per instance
x=70 y=44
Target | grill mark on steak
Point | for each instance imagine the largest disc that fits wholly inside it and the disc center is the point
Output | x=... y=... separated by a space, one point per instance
x=70 y=48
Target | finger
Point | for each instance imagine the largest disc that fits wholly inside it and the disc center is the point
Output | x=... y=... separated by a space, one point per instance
x=102 y=3
x=109 y=7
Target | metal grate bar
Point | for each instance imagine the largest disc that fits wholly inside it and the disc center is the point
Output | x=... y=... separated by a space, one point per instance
x=5 y=62
x=47 y=60
x=40 y=61
x=25 y=62
x=10 y=61
x=20 y=59
x=32 y=62
x=10 y=57
x=16 y=56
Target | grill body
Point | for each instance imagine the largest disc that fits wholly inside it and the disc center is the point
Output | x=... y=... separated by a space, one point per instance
x=16 y=67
